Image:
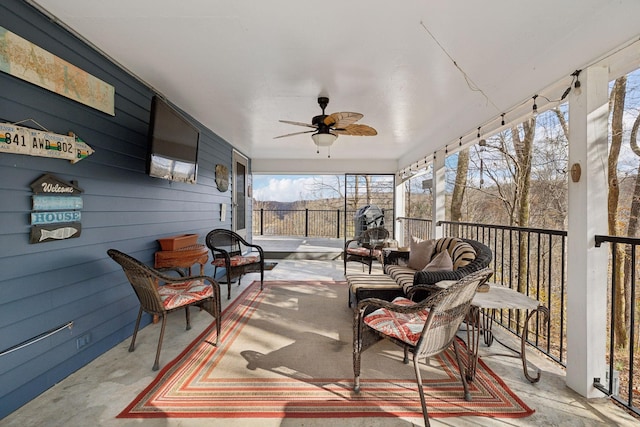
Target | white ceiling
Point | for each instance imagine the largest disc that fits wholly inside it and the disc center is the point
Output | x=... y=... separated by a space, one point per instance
x=238 y=66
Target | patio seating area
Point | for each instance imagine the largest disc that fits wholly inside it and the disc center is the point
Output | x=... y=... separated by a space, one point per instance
x=108 y=147
x=96 y=393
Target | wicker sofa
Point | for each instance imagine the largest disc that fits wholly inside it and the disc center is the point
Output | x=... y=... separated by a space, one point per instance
x=400 y=279
x=418 y=284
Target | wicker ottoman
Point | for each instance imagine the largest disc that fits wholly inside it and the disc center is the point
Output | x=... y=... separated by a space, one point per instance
x=363 y=286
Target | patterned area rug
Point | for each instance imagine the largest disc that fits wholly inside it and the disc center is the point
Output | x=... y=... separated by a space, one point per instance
x=286 y=352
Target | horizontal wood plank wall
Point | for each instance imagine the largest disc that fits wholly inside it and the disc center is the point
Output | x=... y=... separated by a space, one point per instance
x=52 y=283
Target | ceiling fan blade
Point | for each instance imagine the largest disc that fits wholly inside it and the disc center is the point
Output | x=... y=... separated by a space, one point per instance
x=299 y=124
x=292 y=134
x=342 y=120
x=356 y=130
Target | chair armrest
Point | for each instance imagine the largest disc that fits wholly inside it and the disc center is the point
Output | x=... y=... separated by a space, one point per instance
x=180 y=271
x=379 y=303
x=259 y=248
x=251 y=245
x=426 y=278
x=217 y=252
x=348 y=242
x=172 y=279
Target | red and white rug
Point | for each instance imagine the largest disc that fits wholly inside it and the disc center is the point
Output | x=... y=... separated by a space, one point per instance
x=286 y=352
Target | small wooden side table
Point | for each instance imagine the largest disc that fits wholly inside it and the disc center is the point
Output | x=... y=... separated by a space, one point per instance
x=183 y=258
x=392 y=255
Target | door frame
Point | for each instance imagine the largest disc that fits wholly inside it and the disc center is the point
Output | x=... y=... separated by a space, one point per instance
x=239 y=196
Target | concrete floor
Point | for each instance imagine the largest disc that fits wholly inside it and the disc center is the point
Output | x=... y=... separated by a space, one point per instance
x=95 y=394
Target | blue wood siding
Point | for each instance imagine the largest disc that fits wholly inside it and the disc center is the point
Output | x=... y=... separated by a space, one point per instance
x=49 y=284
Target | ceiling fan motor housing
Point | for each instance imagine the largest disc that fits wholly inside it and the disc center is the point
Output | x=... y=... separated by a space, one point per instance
x=320 y=123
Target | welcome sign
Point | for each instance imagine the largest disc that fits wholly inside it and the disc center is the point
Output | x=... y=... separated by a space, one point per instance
x=56 y=209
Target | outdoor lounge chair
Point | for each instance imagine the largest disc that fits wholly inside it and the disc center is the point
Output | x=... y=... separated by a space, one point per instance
x=426 y=328
x=160 y=294
x=231 y=252
x=366 y=247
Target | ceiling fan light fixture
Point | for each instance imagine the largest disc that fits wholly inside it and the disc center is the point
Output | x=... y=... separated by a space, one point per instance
x=324 y=139
x=328 y=127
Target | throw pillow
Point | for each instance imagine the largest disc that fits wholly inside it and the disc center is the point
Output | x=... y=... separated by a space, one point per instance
x=441 y=262
x=420 y=253
x=446 y=244
x=463 y=254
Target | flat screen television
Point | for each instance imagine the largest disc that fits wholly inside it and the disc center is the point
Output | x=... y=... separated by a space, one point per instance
x=173 y=144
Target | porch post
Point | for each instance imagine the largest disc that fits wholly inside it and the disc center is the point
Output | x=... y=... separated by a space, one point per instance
x=399 y=211
x=587 y=216
x=438 y=188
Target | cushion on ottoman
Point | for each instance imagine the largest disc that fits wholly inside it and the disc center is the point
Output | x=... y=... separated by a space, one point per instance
x=363 y=286
x=370 y=281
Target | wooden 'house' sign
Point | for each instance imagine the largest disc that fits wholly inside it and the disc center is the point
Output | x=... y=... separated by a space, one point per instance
x=56 y=209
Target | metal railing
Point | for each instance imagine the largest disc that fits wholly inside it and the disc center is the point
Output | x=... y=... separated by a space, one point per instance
x=299 y=222
x=529 y=260
x=305 y=222
x=418 y=227
x=620 y=384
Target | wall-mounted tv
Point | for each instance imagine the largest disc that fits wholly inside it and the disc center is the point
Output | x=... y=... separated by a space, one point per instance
x=173 y=144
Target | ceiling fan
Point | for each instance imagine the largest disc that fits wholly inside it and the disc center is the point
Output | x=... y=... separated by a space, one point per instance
x=328 y=127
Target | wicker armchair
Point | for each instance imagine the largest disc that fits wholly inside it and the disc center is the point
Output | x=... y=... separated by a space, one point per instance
x=231 y=252
x=437 y=318
x=366 y=247
x=160 y=294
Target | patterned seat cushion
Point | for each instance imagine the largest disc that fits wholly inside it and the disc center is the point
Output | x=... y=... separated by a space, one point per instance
x=360 y=251
x=405 y=327
x=179 y=294
x=236 y=260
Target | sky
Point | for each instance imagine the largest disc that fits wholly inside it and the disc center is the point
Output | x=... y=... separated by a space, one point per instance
x=290 y=188
x=282 y=188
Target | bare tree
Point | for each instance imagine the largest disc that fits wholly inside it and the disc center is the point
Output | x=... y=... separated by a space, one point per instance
x=632 y=227
x=367 y=182
x=459 y=187
x=523 y=148
x=329 y=188
x=501 y=169
x=616 y=104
